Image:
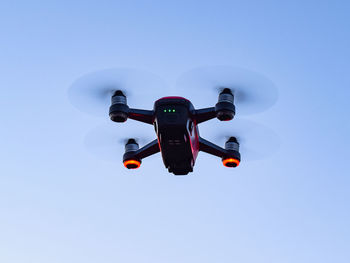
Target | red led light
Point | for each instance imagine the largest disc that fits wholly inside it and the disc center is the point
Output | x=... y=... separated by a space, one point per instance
x=132 y=164
x=230 y=162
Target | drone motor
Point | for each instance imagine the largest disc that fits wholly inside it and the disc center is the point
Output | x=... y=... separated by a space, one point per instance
x=129 y=159
x=118 y=111
x=225 y=109
x=233 y=157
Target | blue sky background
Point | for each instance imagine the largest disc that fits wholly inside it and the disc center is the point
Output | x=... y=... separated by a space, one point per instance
x=59 y=203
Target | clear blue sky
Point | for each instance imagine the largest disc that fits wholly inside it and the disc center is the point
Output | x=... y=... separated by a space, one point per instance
x=60 y=204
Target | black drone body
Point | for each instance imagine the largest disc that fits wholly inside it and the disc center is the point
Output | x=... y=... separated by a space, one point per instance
x=175 y=121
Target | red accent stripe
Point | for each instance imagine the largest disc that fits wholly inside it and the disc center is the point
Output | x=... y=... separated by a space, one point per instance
x=173 y=97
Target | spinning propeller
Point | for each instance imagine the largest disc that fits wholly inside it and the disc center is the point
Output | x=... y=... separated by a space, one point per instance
x=253 y=92
x=256 y=141
x=106 y=141
x=92 y=92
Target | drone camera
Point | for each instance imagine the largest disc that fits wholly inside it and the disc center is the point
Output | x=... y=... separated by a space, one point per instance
x=118 y=111
x=233 y=157
x=225 y=109
x=129 y=159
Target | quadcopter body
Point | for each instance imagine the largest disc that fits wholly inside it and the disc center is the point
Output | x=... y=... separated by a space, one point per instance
x=175 y=121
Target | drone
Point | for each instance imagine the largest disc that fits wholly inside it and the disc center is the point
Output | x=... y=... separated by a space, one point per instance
x=175 y=121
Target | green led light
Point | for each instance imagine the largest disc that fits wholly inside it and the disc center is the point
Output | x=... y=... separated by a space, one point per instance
x=169 y=110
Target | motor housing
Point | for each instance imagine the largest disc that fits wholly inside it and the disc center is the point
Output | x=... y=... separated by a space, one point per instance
x=118 y=111
x=225 y=109
x=232 y=157
x=130 y=161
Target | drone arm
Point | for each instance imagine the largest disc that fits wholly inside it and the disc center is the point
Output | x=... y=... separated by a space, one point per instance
x=145 y=116
x=205 y=114
x=148 y=150
x=224 y=109
x=211 y=148
x=230 y=155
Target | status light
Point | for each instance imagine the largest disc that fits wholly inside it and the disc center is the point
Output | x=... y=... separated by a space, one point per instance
x=132 y=164
x=230 y=162
x=169 y=110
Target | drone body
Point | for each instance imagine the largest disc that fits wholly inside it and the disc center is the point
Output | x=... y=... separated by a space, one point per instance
x=175 y=121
